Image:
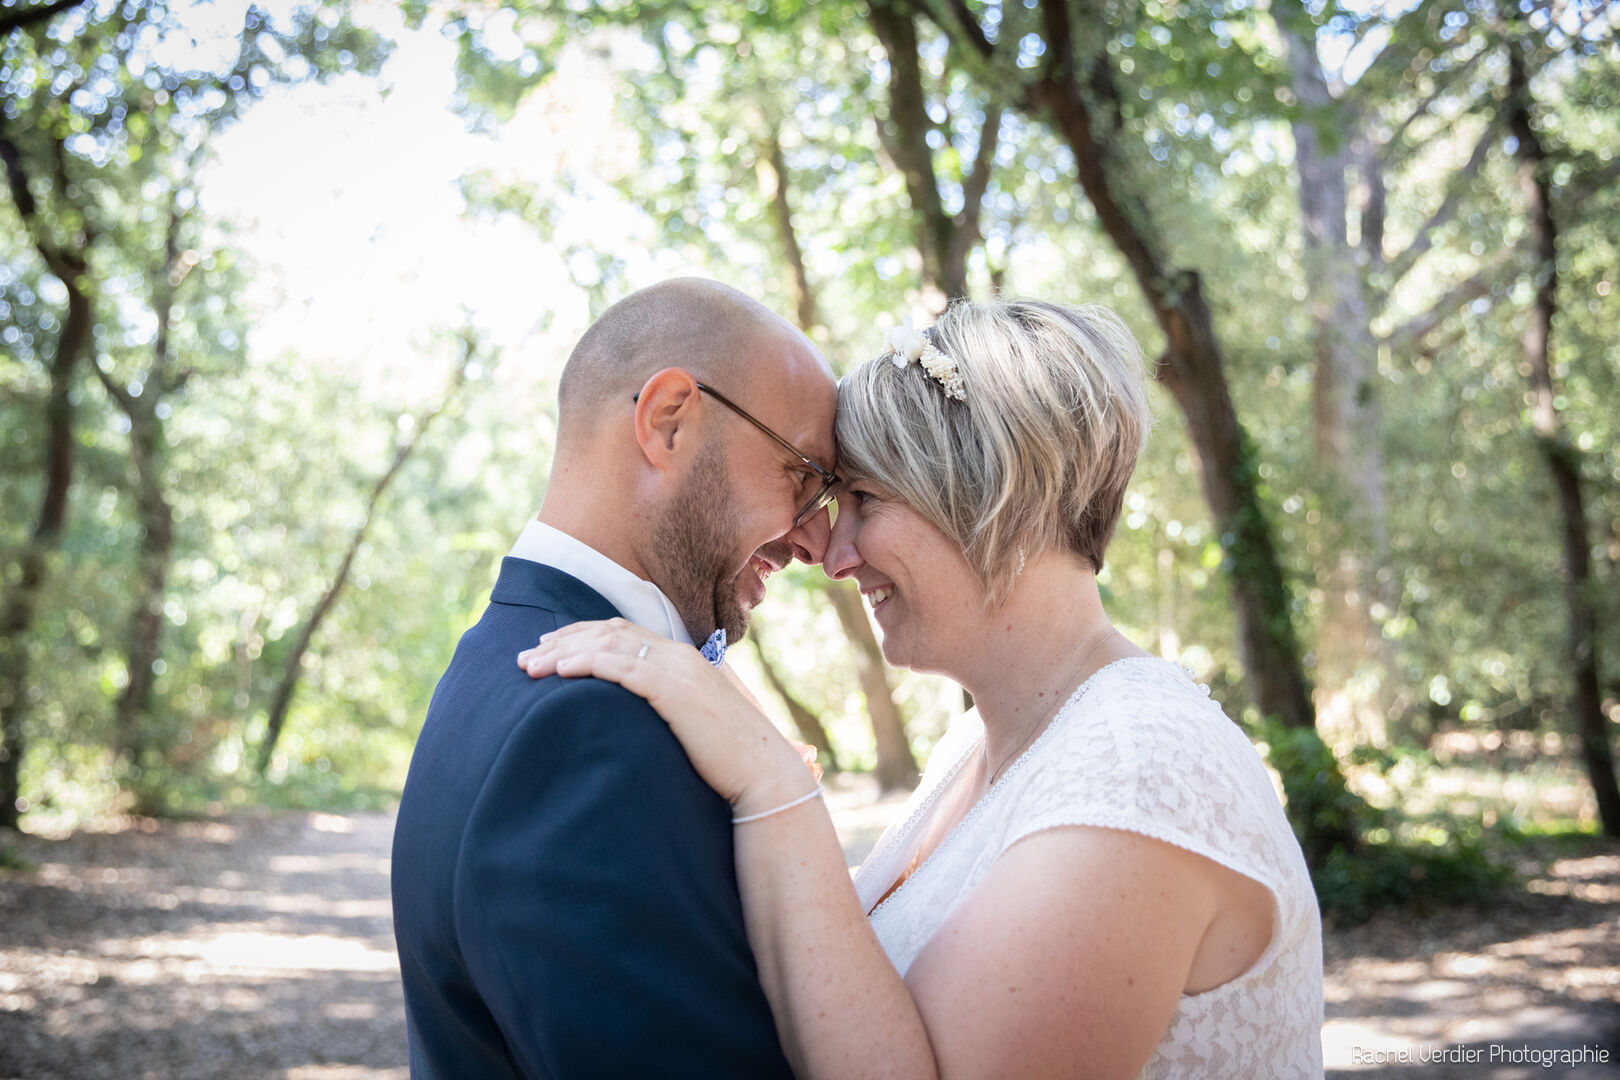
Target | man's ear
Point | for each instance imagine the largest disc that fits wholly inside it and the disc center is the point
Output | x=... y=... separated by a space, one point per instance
x=664 y=412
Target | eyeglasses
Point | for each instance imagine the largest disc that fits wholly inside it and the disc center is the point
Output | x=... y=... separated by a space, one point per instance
x=829 y=481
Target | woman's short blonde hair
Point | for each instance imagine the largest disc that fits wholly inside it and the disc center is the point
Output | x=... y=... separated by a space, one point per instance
x=1038 y=456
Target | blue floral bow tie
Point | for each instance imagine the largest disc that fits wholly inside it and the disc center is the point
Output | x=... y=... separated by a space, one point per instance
x=714 y=650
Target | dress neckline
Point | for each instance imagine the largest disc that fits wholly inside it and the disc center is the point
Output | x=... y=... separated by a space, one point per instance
x=924 y=809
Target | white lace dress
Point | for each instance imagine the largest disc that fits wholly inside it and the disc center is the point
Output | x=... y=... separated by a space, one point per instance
x=1137 y=747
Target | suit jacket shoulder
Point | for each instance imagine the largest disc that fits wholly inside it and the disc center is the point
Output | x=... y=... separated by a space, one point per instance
x=565 y=896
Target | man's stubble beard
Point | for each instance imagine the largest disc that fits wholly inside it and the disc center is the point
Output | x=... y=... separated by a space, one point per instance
x=696 y=542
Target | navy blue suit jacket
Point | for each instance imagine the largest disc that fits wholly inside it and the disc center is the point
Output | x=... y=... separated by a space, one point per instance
x=565 y=899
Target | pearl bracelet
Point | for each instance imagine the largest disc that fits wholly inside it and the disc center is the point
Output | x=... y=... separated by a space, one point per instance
x=790 y=804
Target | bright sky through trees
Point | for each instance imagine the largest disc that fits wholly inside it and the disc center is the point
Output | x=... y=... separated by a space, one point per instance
x=348 y=204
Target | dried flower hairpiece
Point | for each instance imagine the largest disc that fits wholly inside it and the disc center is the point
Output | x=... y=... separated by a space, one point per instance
x=908 y=346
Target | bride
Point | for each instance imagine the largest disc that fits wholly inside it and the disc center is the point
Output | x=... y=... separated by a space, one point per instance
x=1095 y=878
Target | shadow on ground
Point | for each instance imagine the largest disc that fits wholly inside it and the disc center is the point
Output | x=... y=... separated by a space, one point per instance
x=1522 y=985
x=255 y=947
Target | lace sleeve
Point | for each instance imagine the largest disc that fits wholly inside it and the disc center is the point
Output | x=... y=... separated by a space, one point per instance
x=1150 y=753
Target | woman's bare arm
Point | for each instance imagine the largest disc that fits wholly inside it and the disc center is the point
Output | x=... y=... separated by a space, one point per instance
x=1066 y=961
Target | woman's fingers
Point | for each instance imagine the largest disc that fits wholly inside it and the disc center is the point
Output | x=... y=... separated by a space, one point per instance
x=611 y=635
x=610 y=666
x=615 y=650
x=808 y=753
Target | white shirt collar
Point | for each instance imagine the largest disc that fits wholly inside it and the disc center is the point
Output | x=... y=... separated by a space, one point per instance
x=638 y=600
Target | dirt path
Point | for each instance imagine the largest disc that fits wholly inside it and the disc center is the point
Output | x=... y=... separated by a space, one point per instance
x=1527 y=975
x=258 y=947
x=261 y=947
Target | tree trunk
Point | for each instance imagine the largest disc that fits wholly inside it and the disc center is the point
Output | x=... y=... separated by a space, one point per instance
x=805 y=722
x=146 y=623
x=24 y=587
x=22 y=597
x=153 y=509
x=1192 y=369
x=1563 y=459
x=293 y=669
x=1083 y=103
x=909 y=125
x=771 y=168
x=943 y=240
x=1344 y=397
x=896 y=768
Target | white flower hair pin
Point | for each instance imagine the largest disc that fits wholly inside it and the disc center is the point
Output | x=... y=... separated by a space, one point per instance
x=908 y=346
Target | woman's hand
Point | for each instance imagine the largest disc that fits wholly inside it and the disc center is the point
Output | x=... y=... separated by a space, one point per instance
x=808 y=753
x=731 y=744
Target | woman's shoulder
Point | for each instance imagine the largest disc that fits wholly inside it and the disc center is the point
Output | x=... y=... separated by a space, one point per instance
x=1143 y=748
x=1148 y=710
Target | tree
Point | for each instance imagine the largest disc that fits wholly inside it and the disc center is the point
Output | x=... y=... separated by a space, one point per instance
x=89 y=118
x=144 y=403
x=66 y=260
x=1072 y=83
x=944 y=240
x=1561 y=454
x=413 y=428
x=1349 y=138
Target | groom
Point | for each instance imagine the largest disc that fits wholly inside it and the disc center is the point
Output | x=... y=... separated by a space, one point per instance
x=565 y=901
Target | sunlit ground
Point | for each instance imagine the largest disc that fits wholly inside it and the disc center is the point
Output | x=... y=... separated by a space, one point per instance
x=261 y=946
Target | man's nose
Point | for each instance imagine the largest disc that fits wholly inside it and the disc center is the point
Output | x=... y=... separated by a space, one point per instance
x=809 y=537
x=841 y=557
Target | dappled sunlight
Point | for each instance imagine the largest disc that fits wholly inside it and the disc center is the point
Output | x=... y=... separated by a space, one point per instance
x=351 y=1010
x=314 y=904
x=271 y=953
x=199 y=952
x=333 y=823
x=321 y=864
x=208 y=951
x=1515 y=970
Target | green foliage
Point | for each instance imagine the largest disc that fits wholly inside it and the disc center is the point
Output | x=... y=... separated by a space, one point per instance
x=107 y=131
x=1415 y=874
x=1561 y=837
x=1401 y=859
x=1313 y=788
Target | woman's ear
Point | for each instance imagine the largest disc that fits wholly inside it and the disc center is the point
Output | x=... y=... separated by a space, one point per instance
x=665 y=408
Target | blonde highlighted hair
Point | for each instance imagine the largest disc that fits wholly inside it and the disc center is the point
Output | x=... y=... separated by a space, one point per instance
x=1035 y=460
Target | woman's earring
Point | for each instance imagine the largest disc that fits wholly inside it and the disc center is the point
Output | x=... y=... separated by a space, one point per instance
x=1020 y=569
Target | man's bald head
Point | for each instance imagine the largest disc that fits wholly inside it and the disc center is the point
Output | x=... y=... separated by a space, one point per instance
x=710 y=329
x=679 y=487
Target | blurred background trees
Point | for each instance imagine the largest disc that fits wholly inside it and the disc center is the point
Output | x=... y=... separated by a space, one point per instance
x=1371 y=250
